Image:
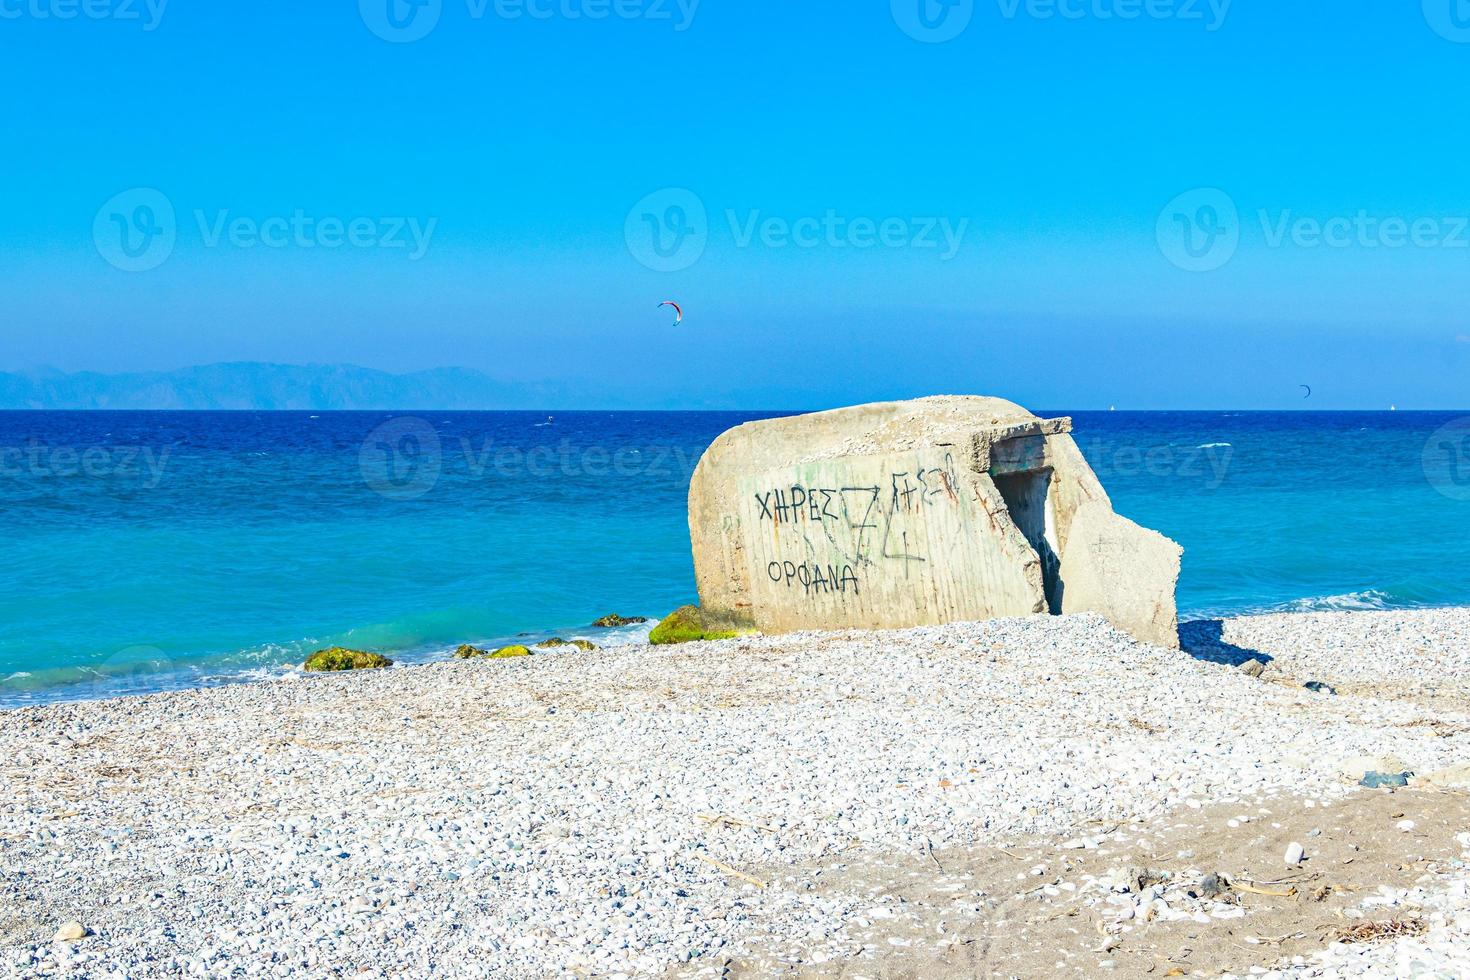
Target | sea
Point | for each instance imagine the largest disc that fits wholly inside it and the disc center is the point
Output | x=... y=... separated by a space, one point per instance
x=151 y=551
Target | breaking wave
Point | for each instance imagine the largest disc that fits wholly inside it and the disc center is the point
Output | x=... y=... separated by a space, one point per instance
x=1369 y=599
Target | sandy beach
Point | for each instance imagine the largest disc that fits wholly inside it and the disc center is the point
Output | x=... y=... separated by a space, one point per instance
x=1019 y=797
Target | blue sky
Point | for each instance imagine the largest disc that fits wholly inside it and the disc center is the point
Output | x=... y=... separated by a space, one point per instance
x=1067 y=148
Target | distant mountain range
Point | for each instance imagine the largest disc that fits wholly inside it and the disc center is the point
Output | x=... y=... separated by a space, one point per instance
x=259 y=386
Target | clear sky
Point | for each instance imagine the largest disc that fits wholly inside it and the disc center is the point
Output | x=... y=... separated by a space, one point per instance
x=848 y=205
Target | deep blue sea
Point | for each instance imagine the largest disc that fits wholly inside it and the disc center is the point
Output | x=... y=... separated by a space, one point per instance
x=154 y=550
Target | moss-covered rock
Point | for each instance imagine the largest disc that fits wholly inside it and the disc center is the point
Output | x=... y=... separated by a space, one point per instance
x=467 y=652
x=557 y=641
x=613 y=619
x=338 y=658
x=686 y=624
x=505 y=653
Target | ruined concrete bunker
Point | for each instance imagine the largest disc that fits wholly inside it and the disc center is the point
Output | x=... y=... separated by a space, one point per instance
x=930 y=511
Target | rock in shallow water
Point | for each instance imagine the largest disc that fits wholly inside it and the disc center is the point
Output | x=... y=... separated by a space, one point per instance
x=557 y=641
x=613 y=619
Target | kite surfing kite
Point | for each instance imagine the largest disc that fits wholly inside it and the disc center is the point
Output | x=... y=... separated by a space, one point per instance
x=678 y=311
x=1309 y=390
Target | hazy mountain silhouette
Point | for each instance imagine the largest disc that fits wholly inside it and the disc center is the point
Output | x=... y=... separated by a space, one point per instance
x=260 y=386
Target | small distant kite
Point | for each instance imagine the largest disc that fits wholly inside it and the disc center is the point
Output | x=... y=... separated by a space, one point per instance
x=678 y=311
x=1309 y=390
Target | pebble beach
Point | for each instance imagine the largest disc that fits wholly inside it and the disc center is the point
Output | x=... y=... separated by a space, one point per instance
x=1041 y=796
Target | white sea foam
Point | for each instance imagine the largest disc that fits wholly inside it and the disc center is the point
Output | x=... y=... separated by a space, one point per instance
x=1211 y=445
x=1369 y=599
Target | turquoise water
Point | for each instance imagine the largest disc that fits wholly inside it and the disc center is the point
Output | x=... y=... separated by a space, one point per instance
x=149 y=550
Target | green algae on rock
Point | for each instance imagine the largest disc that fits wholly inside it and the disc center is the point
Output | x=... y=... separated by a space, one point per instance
x=505 y=653
x=613 y=619
x=339 y=658
x=687 y=624
x=467 y=652
x=557 y=641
